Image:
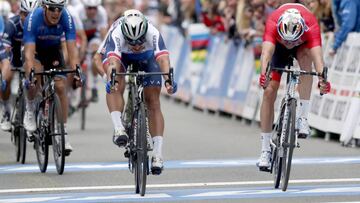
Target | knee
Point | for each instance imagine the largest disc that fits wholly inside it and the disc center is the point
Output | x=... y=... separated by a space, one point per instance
x=269 y=94
x=153 y=103
x=60 y=87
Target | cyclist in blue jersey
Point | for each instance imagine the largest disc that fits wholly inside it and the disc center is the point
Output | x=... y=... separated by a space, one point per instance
x=12 y=39
x=43 y=30
x=135 y=41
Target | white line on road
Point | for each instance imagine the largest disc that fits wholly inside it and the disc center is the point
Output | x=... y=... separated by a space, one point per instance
x=26 y=190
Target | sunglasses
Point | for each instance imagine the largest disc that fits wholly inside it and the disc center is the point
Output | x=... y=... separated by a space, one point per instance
x=91 y=8
x=136 y=42
x=54 y=8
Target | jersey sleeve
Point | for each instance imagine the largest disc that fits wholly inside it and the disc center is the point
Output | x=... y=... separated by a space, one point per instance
x=313 y=36
x=9 y=31
x=160 y=48
x=270 y=31
x=30 y=29
x=113 y=45
x=69 y=26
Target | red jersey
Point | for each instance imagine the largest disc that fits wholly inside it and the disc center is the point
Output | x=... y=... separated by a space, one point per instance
x=311 y=37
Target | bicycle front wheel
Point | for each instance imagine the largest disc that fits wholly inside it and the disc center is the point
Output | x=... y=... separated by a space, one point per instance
x=41 y=140
x=141 y=150
x=277 y=158
x=57 y=134
x=289 y=144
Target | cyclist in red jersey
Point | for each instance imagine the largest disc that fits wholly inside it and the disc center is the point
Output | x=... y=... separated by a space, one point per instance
x=291 y=31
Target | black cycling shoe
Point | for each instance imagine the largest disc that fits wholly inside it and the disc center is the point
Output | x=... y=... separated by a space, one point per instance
x=302 y=136
x=94 y=95
x=120 y=140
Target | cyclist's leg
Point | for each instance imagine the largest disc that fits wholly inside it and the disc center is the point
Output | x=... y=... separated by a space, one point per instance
x=305 y=86
x=155 y=116
x=7 y=75
x=267 y=105
x=115 y=103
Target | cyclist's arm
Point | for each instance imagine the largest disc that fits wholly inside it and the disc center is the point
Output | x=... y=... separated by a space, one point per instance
x=267 y=52
x=73 y=53
x=164 y=63
x=317 y=57
x=98 y=63
x=113 y=63
x=83 y=45
x=64 y=50
x=29 y=56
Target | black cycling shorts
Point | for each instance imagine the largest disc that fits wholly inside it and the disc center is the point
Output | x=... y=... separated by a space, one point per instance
x=50 y=57
x=282 y=56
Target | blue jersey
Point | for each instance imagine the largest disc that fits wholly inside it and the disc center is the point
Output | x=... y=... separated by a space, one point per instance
x=37 y=31
x=2 y=24
x=13 y=36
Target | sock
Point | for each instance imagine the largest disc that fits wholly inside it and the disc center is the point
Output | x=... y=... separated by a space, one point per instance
x=30 y=105
x=265 y=141
x=158 y=141
x=116 y=119
x=304 y=108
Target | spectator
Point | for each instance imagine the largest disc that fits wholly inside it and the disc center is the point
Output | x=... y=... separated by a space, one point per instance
x=347 y=14
x=322 y=11
x=211 y=16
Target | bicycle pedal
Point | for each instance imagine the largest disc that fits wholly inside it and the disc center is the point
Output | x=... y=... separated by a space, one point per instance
x=127 y=154
x=298 y=145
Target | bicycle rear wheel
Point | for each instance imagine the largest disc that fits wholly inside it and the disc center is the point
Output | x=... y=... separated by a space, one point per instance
x=57 y=134
x=141 y=150
x=41 y=140
x=289 y=143
x=22 y=131
x=15 y=133
x=83 y=103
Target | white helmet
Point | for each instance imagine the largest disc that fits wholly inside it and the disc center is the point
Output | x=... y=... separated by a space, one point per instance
x=134 y=27
x=91 y=3
x=28 y=5
x=54 y=2
x=291 y=25
x=5 y=8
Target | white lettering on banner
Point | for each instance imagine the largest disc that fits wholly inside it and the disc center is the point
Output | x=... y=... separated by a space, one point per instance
x=340 y=110
x=341 y=58
x=354 y=60
x=315 y=104
x=327 y=107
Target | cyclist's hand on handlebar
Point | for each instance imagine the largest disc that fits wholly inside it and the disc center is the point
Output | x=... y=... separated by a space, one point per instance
x=109 y=88
x=324 y=86
x=79 y=81
x=28 y=84
x=171 y=89
x=262 y=80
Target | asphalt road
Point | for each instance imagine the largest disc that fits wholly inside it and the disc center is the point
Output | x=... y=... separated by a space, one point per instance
x=209 y=158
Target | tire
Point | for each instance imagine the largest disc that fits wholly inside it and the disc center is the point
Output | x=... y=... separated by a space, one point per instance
x=22 y=131
x=290 y=140
x=57 y=132
x=141 y=146
x=83 y=107
x=16 y=137
x=276 y=159
x=41 y=140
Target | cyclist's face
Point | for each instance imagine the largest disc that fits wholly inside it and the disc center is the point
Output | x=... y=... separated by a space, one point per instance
x=53 y=14
x=137 y=48
x=23 y=16
x=91 y=12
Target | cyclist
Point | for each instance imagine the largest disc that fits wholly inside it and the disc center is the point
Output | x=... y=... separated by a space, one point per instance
x=291 y=30
x=12 y=39
x=137 y=41
x=94 y=18
x=44 y=28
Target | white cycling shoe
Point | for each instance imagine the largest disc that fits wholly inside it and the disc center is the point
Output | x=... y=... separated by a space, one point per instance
x=29 y=121
x=303 y=127
x=157 y=165
x=264 y=160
